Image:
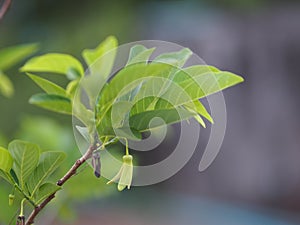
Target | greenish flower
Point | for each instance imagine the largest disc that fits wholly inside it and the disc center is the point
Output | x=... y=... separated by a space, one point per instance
x=125 y=174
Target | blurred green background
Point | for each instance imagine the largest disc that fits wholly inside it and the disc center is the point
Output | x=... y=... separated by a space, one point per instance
x=256 y=177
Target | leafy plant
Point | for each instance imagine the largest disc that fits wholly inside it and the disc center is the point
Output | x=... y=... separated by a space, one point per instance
x=27 y=170
x=142 y=90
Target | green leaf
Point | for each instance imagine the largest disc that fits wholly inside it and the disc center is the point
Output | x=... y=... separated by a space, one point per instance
x=100 y=60
x=6 y=160
x=192 y=71
x=53 y=63
x=52 y=102
x=12 y=55
x=26 y=158
x=176 y=59
x=201 y=85
x=48 y=163
x=139 y=53
x=48 y=86
x=45 y=191
x=158 y=86
x=126 y=80
x=142 y=120
x=6 y=86
x=208 y=83
x=130 y=126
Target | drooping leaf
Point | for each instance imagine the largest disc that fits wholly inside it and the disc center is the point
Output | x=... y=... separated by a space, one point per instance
x=45 y=191
x=6 y=160
x=48 y=163
x=139 y=53
x=48 y=86
x=200 y=120
x=199 y=108
x=12 y=55
x=53 y=63
x=26 y=157
x=6 y=86
x=52 y=102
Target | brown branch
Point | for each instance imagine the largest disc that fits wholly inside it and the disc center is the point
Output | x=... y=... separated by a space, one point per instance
x=65 y=178
x=4 y=8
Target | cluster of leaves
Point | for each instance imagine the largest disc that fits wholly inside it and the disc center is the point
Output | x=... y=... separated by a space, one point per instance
x=142 y=90
x=27 y=169
x=172 y=92
x=8 y=58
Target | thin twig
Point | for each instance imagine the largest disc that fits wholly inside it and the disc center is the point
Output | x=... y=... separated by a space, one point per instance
x=4 y=8
x=61 y=182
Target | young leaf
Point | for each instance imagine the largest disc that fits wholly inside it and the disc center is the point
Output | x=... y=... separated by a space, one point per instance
x=48 y=163
x=45 y=191
x=101 y=59
x=139 y=53
x=47 y=86
x=12 y=55
x=176 y=59
x=6 y=86
x=26 y=158
x=52 y=102
x=6 y=160
x=53 y=63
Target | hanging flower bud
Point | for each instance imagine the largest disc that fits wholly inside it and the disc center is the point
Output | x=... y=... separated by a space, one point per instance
x=125 y=174
x=11 y=199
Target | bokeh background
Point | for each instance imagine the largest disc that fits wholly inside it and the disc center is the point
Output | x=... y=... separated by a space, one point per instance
x=255 y=178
